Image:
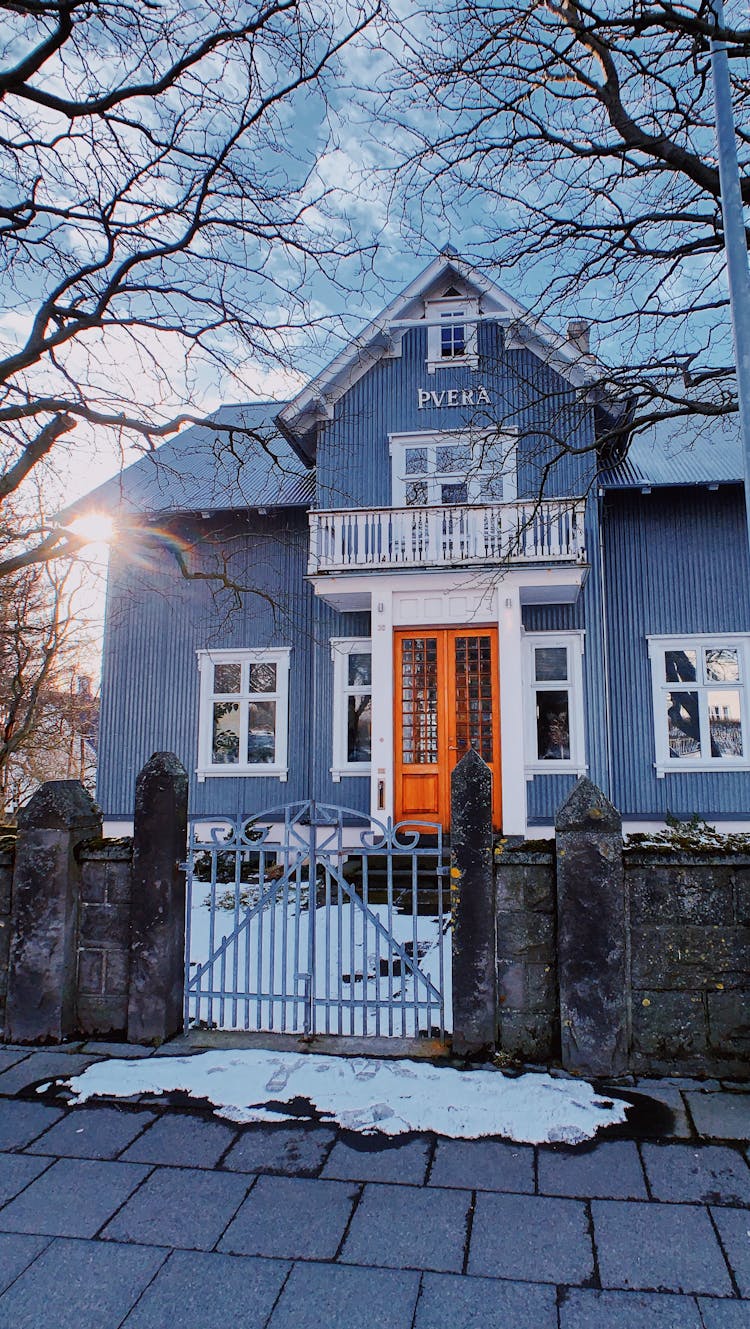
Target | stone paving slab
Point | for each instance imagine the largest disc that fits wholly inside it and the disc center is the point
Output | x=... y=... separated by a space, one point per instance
x=485 y=1165
x=291 y=1218
x=734 y=1231
x=451 y=1302
x=294 y=1150
x=22 y=1122
x=73 y=1198
x=404 y=1163
x=722 y=1116
x=17 y=1251
x=709 y=1173
x=658 y=1247
x=11 y=1056
x=330 y=1296
x=664 y=1091
x=79 y=1285
x=724 y=1314
x=97 y=1132
x=409 y=1227
x=611 y=1169
x=39 y=1067
x=182 y=1207
x=531 y=1238
x=182 y=1139
x=126 y=1050
x=210 y=1292
x=584 y=1308
x=16 y=1172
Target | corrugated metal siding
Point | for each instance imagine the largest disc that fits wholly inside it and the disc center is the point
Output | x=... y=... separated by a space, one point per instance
x=688 y=451
x=676 y=561
x=353 y=465
x=155 y=624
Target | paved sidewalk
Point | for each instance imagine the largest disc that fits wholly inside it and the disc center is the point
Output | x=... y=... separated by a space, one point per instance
x=147 y=1214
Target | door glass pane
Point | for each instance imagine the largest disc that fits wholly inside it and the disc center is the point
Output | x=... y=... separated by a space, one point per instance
x=227 y=677
x=416 y=494
x=551 y=664
x=722 y=666
x=458 y=493
x=225 y=740
x=553 y=726
x=474 y=696
x=452 y=457
x=360 y=669
x=358 y=729
x=724 y=723
x=416 y=461
x=261 y=733
x=419 y=701
x=680 y=666
x=263 y=678
x=683 y=724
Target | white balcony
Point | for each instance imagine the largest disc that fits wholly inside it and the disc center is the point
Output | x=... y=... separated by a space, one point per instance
x=521 y=534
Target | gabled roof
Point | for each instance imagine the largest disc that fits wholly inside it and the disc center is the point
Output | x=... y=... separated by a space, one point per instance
x=208 y=469
x=689 y=450
x=382 y=337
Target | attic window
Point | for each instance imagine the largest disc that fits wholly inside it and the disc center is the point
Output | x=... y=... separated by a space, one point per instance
x=451 y=331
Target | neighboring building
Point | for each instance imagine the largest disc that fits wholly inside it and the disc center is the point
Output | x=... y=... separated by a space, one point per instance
x=430 y=550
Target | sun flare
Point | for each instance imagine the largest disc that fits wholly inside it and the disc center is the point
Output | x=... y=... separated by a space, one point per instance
x=93 y=528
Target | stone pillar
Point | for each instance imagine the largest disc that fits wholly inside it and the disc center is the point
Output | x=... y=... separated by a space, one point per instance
x=592 y=934
x=41 y=1001
x=157 y=911
x=473 y=907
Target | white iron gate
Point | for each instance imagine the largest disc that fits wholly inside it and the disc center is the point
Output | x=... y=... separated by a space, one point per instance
x=292 y=927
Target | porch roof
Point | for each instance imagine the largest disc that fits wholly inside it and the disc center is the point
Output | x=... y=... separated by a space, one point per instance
x=685 y=451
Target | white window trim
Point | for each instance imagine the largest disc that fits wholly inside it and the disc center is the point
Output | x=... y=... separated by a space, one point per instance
x=280 y=656
x=477 y=441
x=663 y=764
x=574 y=644
x=434 y=311
x=341 y=649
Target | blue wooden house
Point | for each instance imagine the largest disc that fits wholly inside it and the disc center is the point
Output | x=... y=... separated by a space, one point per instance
x=447 y=539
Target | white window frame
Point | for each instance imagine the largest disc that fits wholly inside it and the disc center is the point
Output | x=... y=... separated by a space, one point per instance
x=341 y=649
x=477 y=441
x=698 y=641
x=454 y=309
x=573 y=642
x=280 y=656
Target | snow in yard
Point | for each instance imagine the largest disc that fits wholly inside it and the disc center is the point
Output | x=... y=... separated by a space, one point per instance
x=367 y=1094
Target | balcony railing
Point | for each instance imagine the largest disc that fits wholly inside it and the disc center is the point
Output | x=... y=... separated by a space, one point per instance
x=550 y=531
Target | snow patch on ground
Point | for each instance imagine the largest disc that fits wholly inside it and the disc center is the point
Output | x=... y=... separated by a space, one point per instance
x=367 y=1094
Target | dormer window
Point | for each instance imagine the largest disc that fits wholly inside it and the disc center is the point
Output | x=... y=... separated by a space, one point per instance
x=451 y=331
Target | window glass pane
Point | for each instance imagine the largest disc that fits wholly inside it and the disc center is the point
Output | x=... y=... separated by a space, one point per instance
x=360 y=669
x=454 y=493
x=722 y=665
x=262 y=678
x=227 y=677
x=553 y=726
x=680 y=666
x=416 y=493
x=416 y=461
x=358 y=728
x=225 y=736
x=551 y=664
x=724 y=723
x=683 y=724
x=452 y=457
x=492 y=488
x=261 y=732
x=452 y=337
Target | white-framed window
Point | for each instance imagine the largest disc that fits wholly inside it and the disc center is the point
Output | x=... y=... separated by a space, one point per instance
x=451 y=332
x=243 y=723
x=352 y=706
x=439 y=468
x=700 y=700
x=553 y=678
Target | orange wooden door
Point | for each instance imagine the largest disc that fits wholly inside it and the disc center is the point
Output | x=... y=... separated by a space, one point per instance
x=446 y=683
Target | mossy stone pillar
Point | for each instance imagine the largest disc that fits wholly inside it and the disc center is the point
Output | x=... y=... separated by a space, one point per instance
x=592 y=934
x=473 y=908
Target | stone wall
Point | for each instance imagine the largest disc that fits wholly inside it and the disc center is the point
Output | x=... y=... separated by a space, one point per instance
x=528 y=1001
x=690 y=961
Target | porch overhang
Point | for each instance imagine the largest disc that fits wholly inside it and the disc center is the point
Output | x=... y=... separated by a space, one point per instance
x=354 y=592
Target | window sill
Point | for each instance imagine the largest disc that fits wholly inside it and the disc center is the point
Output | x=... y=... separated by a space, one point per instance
x=555 y=768
x=340 y=772
x=690 y=768
x=278 y=772
x=454 y=362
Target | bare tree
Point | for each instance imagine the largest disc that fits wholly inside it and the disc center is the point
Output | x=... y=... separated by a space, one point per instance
x=574 y=144
x=159 y=203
